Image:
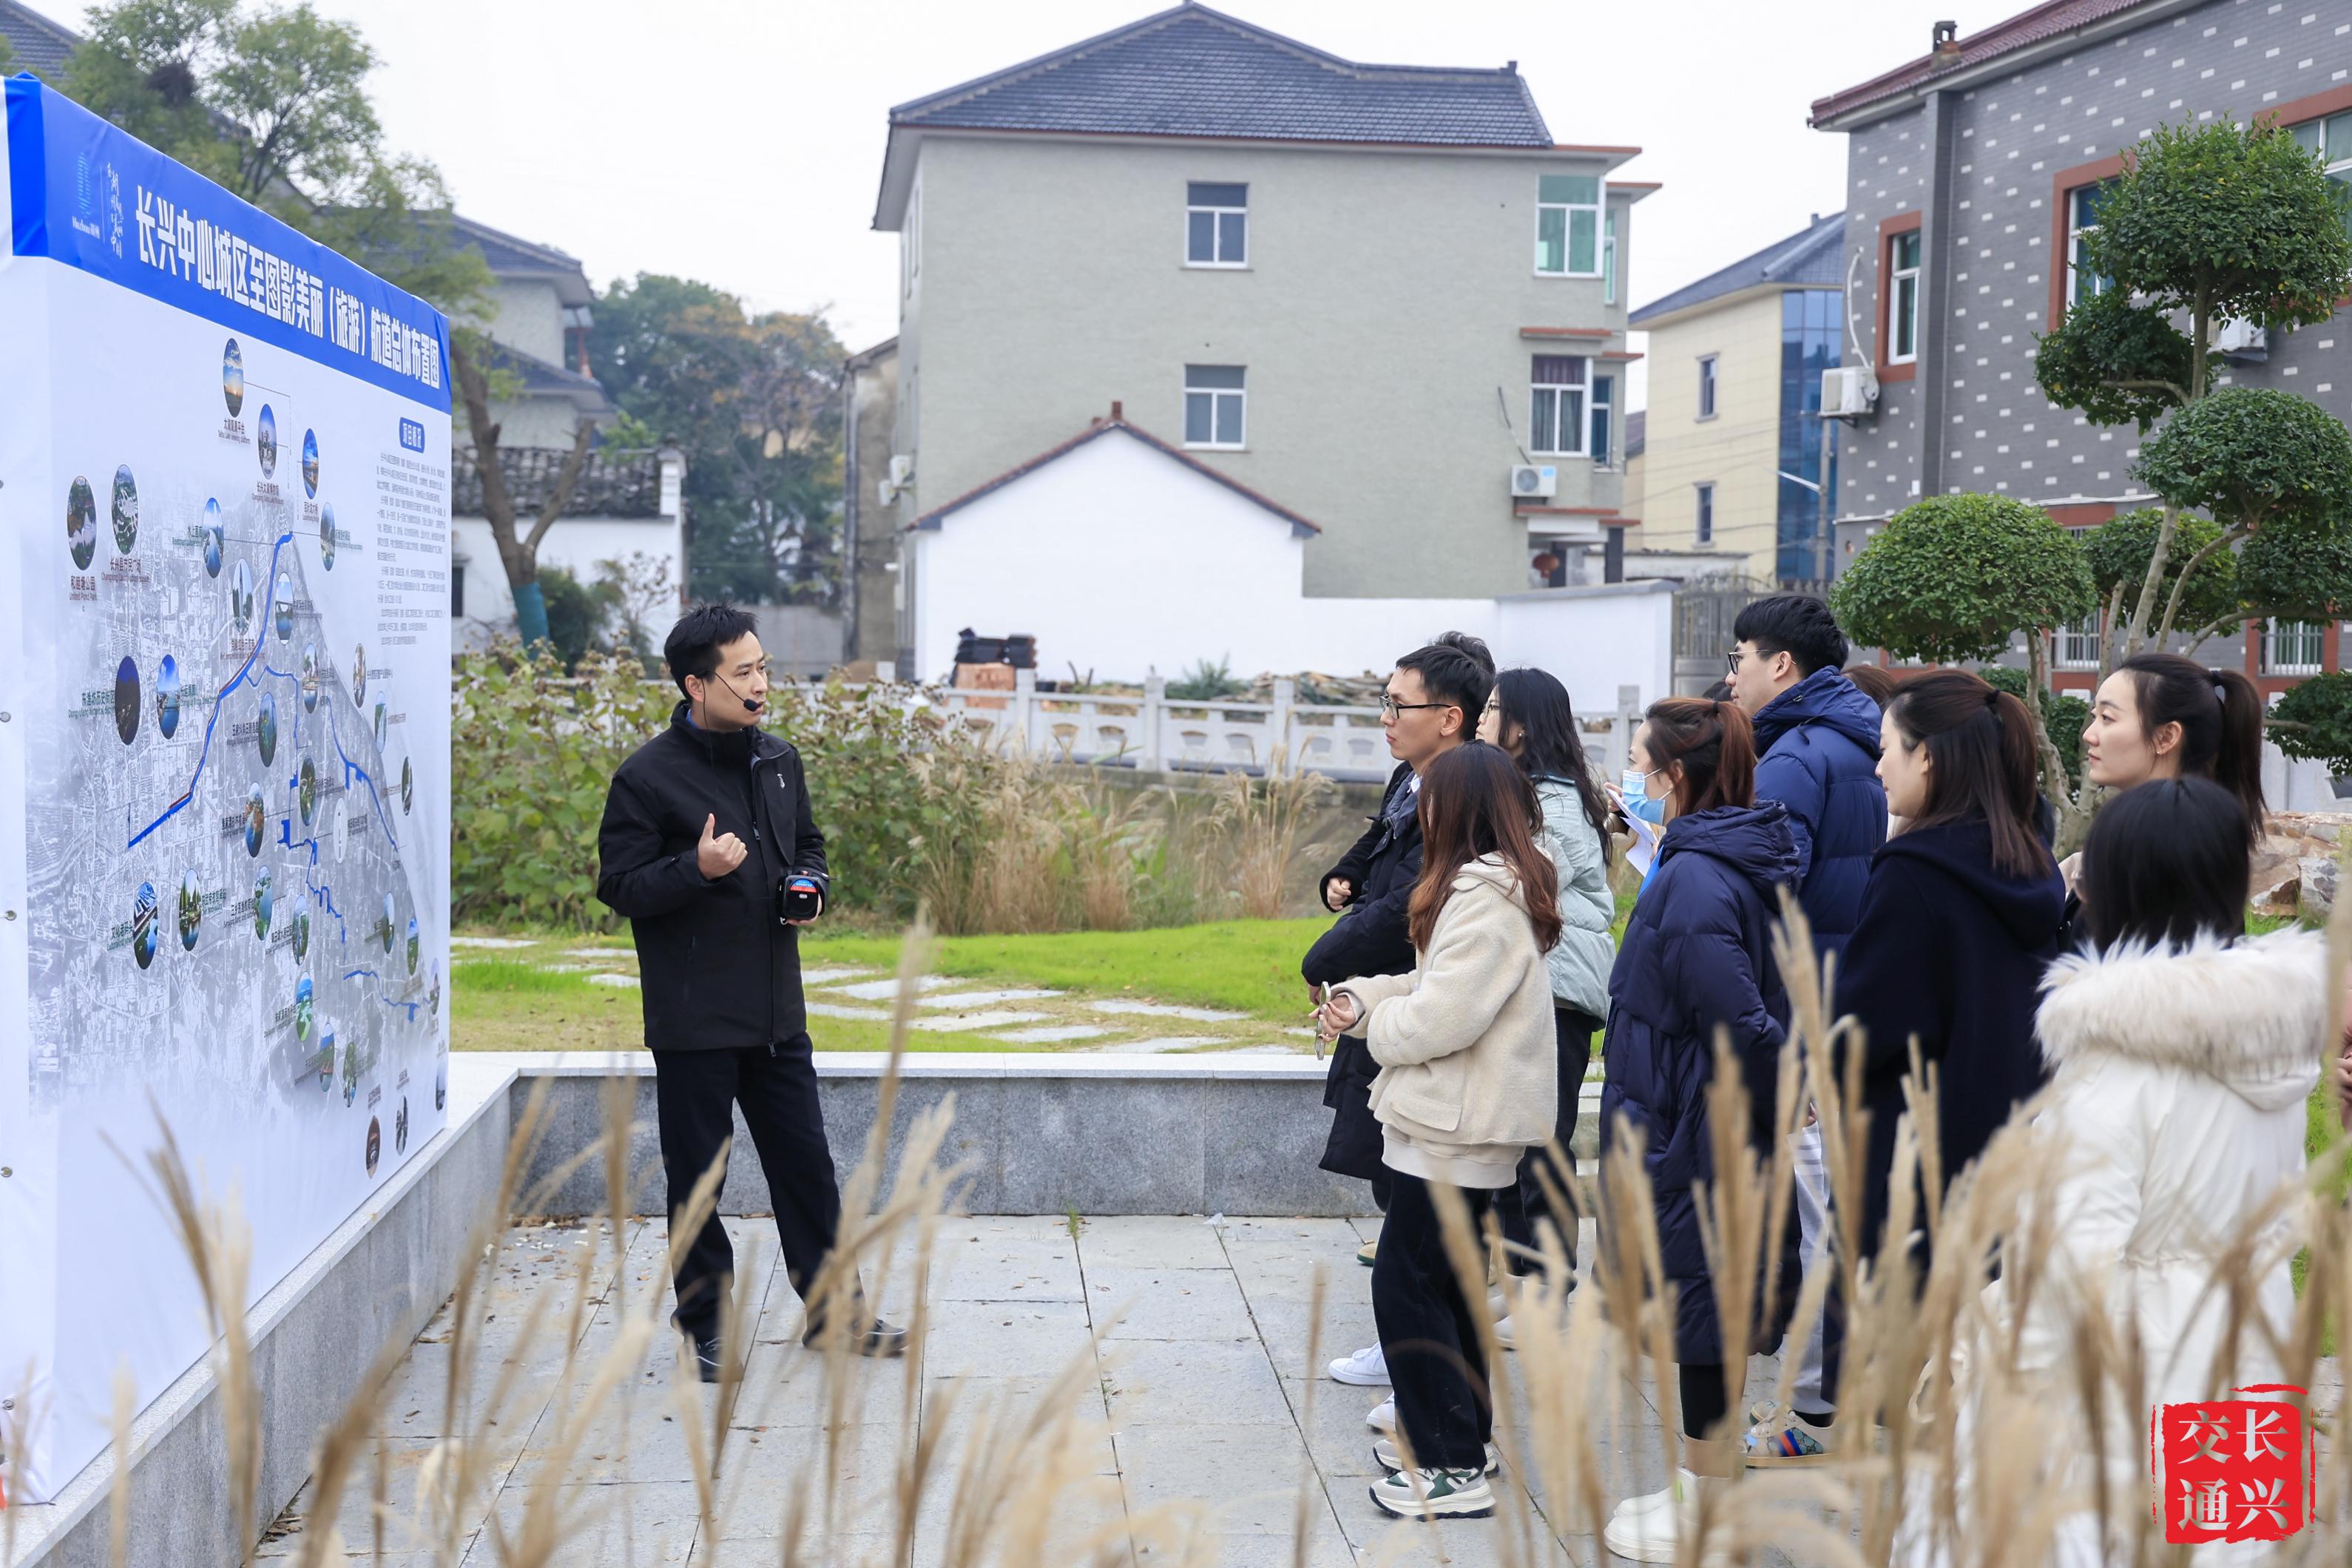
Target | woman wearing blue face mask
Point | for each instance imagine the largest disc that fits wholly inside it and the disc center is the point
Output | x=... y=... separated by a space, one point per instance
x=1635 y=800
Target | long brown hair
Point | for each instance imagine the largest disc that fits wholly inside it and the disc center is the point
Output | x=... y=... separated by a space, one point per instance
x=1980 y=743
x=1716 y=746
x=1475 y=801
x=2221 y=717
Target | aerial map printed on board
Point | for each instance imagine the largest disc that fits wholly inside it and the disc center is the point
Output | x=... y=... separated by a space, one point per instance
x=223 y=761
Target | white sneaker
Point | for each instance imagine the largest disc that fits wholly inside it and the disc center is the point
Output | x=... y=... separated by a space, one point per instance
x=1434 y=1495
x=1368 y=1368
x=1381 y=1417
x=1649 y=1529
x=1386 y=1455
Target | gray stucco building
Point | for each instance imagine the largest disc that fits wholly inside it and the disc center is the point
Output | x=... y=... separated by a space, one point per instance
x=1366 y=293
x=1970 y=173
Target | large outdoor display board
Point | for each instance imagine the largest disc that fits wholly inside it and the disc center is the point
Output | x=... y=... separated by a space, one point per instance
x=224 y=750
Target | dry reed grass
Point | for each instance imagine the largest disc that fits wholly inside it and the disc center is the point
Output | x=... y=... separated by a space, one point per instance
x=1264 y=824
x=1951 y=1451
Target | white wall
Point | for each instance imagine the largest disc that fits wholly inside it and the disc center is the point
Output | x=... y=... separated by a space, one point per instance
x=576 y=544
x=1119 y=559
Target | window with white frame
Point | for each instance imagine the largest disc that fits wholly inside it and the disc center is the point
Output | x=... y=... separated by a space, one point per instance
x=1704 y=532
x=2332 y=139
x=1706 y=387
x=1567 y=225
x=1602 y=446
x=1216 y=225
x=1609 y=258
x=1555 y=403
x=1903 y=299
x=2294 y=647
x=1212 y=406
x=2082 y=280
x=2078 y=644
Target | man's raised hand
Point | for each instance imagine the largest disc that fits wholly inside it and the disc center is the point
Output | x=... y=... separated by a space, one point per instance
x=714 y=857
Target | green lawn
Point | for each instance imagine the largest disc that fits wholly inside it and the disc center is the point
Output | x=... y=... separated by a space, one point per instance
x=1249 y=966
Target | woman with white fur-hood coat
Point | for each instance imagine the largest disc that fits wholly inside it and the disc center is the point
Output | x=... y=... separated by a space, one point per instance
x=2182 y=1054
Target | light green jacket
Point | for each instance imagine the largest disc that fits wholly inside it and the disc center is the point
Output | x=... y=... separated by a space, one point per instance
x=1579 y=962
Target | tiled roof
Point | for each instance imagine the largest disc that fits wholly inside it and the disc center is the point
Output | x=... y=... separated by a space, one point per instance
x=1101 y=427
x=613 y=484
x=1813 y=257
x=509 y=255
x=1192 y=72
x=2021 y=31
x=536 y=377
x=42 y=46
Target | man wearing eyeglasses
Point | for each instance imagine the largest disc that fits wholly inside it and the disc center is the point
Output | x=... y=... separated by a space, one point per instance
x=710 y=849
x=1432 y=705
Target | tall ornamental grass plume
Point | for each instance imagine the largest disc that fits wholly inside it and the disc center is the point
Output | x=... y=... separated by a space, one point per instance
x=1947 y=1449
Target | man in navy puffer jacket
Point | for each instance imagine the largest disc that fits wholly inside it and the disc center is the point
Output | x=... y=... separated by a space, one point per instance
x=1817 y=743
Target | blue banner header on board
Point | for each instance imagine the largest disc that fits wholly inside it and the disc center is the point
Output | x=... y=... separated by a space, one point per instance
x=100 y=200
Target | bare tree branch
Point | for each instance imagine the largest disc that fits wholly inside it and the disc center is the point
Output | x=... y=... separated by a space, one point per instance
x=2180 y=392
x=2180 y=583
x=567 y=479
x=2109 y=627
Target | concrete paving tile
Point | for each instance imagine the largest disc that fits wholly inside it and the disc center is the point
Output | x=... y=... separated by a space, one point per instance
x=1193 y=1383
x=1247 y=1476
x=887 y=990
x=871 y=1391
x=632 y=1524
x=978 y=1400
x=1335 y=1430
x=1158 y=1044
x=988 y=1018
x=1454 y=1543
x=1169 y=1303
x=1325 y=1549
x=1151 y=1241
x=846 y=1010
x=353 y=1514
x=1164 y=1010
x=1283 y=1324
x=631 y=1441
x=984 y=998
x=968 y=1267
x=618 y=981
x=834 y=974
x=1010 y=1339
x=1053 y=1035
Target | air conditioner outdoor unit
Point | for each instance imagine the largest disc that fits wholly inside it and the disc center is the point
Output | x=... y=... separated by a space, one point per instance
x=1533 y=481
x=902 y=469
x=1848 y=392
x=887 y=491
x=2236 y=337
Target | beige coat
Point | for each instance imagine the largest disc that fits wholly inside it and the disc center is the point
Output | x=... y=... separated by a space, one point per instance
x=1469 y=1068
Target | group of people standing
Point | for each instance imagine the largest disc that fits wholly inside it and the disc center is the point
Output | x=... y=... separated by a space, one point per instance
x=1473 y=965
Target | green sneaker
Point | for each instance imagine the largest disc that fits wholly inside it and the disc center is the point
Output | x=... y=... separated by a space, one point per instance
x=1434 y=1495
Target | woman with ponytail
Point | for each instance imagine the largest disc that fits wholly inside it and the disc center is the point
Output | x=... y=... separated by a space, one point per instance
x=2160 y=716
x=1696 y=957
x=1960 y=919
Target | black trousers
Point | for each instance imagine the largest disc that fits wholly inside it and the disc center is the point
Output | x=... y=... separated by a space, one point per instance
x=1444 y=1404
x=696 y=1093
x=1518 y=1207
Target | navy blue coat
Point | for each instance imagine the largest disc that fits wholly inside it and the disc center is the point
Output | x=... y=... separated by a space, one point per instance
x=1819 y=746
x=1370 y=939
x=1698 y=952
x=1951 y=950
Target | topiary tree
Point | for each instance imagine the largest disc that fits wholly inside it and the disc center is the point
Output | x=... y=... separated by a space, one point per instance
x=2206 y=224
x=1954 y=578
x=2313 y=721
x=2119 y=550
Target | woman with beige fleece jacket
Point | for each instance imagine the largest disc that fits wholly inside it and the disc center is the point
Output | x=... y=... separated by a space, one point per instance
x=1468 y=1083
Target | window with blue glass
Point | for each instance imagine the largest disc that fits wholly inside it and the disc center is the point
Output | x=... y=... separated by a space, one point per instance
x=2082 y=280
x=1810 y=332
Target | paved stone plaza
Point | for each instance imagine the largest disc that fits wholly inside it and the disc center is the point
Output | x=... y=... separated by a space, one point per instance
x=1196 y=1397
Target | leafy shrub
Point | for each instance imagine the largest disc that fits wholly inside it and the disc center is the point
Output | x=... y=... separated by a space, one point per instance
x=1206 y=681
x=1952 y=578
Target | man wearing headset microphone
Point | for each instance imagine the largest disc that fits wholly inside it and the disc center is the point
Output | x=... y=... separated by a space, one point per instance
x=710 y=849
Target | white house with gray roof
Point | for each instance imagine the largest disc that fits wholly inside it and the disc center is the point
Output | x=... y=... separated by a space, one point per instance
x=1366 y=293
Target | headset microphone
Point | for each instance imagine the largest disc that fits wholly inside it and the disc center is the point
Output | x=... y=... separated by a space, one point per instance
x=749 y=706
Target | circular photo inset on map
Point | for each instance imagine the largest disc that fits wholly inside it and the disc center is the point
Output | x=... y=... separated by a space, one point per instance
x=407 y=786
x=327 y=1060
x=192 y=911
x=126 y=699
x=311 y=464
x=264 y=441
x=240 y=598
x=433 y=1010
x=167 y=697
x=351 y=1070
x=263 y=902
x=309 y=677
x=358 y=675
x=415 y=944
x=232 y=378
x=400 y=1127
x=143 y=924
x=213 y=539
x=382 y=723
x=126 y=510
x=265 y=730
x=374 y=1143
x=326 y=536
x=257 y=820
x=305 y=793
x=303 y=1008
x=81 y=524
x=284 y=600
x=301 y=925
x=387 y=928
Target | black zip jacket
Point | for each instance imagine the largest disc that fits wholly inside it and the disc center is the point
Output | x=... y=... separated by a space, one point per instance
x=718 y=970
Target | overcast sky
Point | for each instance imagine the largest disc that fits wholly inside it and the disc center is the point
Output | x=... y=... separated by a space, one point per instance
x=740 y=142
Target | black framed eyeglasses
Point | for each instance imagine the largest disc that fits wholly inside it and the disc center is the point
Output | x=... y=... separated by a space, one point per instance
x=1391 y=706
x=1731 y=661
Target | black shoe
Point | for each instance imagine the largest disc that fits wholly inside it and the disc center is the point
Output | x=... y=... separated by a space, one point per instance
x=707 y=1359
x=879 y=1340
